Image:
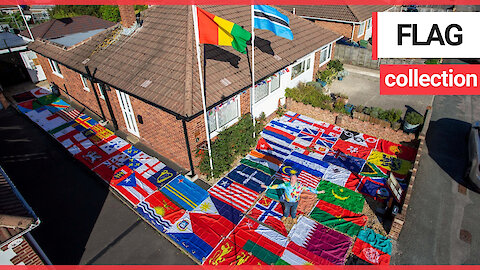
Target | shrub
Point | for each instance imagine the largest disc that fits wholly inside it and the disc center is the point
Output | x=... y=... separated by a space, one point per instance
x=359 y=108
x=376 y=112
x=414 y=118
x=367 y=110
x=340 y=107
x=318 y=86
x=392 y=115
x=232 y=142
x=326 y=75
x=308 y=94
x=432 y=61
x=335 y=65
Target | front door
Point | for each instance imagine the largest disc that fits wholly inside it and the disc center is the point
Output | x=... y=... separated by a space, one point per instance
x=127 y=112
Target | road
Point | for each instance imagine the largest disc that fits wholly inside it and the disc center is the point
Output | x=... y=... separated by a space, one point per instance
x=438 y=210
x=81 y=222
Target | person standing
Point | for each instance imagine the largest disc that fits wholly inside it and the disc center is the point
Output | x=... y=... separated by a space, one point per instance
x=291 y=195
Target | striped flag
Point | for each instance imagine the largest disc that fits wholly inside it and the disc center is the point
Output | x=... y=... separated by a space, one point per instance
x=305 y=178
x=132 y=186
x=306 y=163
x=273 y=147
x=234 y=194
x=268 y=18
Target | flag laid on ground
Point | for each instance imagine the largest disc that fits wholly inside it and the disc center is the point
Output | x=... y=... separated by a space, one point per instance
x=389 y=162
x=306 y=202
x=398 y=150
x=269 y=212
x=341 y=177
x=305 y=163
x=327 y=129
x=153 y=169
x=372 y=170
x=271 y=146
x=40 y=92
x=74 y=141
x=183 y=191
x=61 y=128
x=297 y=255
x=47 y=99
x=101 y=135
x=297 y=119
x=338 y=218
x=352 y=149
x=114 y=145
x=57 y=105
x=345 y=161
x=320 y=240
x=264 y=163
x=25 y=106
x=340 y=196
x=107 y=169
x=359 y=138
x=268 y=18
x=85 y=121
x=51 y=122
x=310 y=148
x=226 y=210
x=250 y=177
x=131 y=186
x=238 y=196
x=92 y=156
x=228 y=253
x=372 y=247
x=159 y=211
x=374 y=187
x=279 y=133
x=22 y=97
x=217 y=31
x=305 y=178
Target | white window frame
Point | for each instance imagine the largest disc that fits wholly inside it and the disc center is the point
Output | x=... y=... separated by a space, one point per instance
x=305 y=64
x=362 y=29
x=269 y=86
x=100 y=91
x=84 y=83
x=328 y=48
x=55 y=68
x=229 y=124
x=369 y=24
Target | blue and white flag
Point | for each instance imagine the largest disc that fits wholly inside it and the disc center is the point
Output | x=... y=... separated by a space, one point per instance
x=268 y=18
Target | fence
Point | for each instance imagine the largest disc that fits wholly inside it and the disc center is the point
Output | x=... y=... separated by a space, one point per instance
x=363 y=57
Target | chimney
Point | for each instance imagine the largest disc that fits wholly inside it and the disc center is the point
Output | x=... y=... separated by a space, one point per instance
x=127 y=13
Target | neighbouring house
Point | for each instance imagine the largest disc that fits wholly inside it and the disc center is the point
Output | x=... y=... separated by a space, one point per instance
x=17 y=219
x=351 y=21
x=142 y=76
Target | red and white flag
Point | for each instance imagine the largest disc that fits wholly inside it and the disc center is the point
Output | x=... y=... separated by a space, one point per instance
x=234 y=194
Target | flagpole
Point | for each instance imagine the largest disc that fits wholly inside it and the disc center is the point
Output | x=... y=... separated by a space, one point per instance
x=252 y=93
x=202 y=88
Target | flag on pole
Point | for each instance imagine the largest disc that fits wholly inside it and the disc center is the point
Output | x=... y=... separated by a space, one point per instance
x=268 y=18
x=217 y=31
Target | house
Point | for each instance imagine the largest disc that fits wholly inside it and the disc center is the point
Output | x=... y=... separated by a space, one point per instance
x=142 y=76
x=351 y=21
x=17 y=219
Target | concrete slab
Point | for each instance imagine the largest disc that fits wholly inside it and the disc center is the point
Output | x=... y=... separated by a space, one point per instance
x=362 y=86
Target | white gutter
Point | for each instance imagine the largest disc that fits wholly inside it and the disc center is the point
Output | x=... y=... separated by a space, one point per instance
x=353 y=32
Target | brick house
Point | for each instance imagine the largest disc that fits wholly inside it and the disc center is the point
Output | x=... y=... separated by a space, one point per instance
x=351 y=21
x=142 y=77
x=17 y=219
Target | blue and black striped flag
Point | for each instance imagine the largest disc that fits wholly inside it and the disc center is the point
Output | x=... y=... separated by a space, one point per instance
x=268 y=18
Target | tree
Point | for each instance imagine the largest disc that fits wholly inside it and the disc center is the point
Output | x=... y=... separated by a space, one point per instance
x=110 y=13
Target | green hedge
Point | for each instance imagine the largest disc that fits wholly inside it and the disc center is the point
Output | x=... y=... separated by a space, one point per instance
x=230 y=144
x=309 y=94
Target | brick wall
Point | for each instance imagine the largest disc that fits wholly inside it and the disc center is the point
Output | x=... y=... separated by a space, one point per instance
x=24 y=254
x=316 y=66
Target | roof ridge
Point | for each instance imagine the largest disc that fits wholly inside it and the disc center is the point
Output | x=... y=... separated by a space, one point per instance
x=353 y=13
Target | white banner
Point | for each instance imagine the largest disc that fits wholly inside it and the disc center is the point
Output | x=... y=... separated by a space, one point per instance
x=428 y=35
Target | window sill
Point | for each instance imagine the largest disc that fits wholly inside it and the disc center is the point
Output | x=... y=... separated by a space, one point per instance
x=57 y=74
x=325 y=62
x=86 y=89
x=227 y=125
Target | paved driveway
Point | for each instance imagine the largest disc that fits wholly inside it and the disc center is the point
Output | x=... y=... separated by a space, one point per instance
x=82 y=223
x=438 y=211
x=362 y=86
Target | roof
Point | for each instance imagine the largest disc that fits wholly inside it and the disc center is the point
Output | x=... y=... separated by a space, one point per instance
x=348 y=13
x=10 y=40
x=62 y=27
x=161 y=54
x=16 y=215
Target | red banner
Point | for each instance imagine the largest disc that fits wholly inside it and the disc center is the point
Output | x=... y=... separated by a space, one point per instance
x=429 y=79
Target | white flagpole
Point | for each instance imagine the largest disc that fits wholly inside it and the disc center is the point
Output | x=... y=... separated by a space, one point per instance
x=195 y=24
x=26 y=23
x=252 y=93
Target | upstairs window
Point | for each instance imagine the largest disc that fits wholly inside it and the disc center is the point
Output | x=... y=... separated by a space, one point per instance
x=101 y=91
x=55 y=67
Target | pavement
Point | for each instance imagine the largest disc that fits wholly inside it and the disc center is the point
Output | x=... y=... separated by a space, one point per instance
x=81 y=221
x=440 y=207
x=362 y=86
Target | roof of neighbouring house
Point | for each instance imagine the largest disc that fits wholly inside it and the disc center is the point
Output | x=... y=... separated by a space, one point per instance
x=157 y=63
x=348 y=13
x=10 y=40
x=16 y=215
x=67 y=26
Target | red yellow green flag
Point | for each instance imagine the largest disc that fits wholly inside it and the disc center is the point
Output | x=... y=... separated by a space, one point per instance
x=217 y=31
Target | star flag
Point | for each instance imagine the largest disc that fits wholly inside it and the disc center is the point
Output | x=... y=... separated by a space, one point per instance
x=234 y=194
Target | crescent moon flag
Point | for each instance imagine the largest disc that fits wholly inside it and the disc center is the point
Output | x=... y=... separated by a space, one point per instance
x=340 y=196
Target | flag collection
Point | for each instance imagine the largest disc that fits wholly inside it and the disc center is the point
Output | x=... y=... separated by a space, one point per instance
x=236 y=221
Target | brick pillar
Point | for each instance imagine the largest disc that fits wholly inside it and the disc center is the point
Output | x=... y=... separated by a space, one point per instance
x=127 y=13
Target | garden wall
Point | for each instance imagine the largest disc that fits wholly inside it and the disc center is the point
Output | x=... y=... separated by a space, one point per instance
x=350 y=123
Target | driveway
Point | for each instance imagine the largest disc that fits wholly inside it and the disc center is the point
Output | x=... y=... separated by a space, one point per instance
x=362 y=86
x=440 y=207
x=82 y=223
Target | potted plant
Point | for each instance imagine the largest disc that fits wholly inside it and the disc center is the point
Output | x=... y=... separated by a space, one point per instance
x=412 y=121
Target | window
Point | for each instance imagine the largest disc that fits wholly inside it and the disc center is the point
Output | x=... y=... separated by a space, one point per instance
x=101 y=91
x=361 y=31
x=275 y=83
x=55 y=68
x=85 y=83
x=262 y=90
x=369 y=24
x=325 y=54
x=300 y=68
x=224 y=116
